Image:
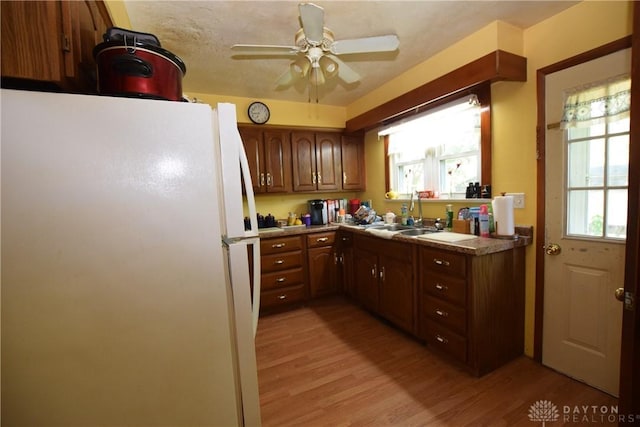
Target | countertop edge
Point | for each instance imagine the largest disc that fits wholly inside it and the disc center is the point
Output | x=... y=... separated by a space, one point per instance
x=476 y=246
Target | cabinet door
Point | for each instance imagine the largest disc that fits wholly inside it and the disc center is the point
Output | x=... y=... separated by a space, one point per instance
x=397 y=291
x=322 y=271
x=366 y=279
x=31 y=41
x=277 y=161
x=328 y=161
x=304 y=161
x=353 y=165
x=345 y=267
x=252 y=141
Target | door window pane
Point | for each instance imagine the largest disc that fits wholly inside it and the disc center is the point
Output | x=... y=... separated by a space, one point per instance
x=586 y=163
x=617 y=214
x=585 y=213
x=618 y=161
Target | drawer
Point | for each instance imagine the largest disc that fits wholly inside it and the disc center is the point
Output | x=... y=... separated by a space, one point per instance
x=281 y=279
x=278 y=245
x=444 y=262
x=278 y=297
x=449 y=315
x=448 y=288
x=321 y=239
x=278 y=262
x=446 y=341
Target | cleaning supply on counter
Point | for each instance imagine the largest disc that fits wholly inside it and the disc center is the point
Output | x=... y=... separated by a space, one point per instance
x=449 y=211
x=503 y=215
x=404 y=211
x=483 y=219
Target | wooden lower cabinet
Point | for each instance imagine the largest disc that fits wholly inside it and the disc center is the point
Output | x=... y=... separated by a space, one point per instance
x=322 y=263
x=385 y=280
x=282 y=272
x=345 y=272
x=472 y=307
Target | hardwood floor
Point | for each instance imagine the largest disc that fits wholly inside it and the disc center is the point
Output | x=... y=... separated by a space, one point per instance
x=333 y=364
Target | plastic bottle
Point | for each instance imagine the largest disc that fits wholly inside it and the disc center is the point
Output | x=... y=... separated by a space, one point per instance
x=403 y=211
x=449 y=224
x=484 y=221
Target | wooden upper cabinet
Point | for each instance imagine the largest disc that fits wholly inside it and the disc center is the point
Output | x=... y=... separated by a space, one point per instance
x=316 y=161
x=51 y=42
x=353 y=164
x=269 y=156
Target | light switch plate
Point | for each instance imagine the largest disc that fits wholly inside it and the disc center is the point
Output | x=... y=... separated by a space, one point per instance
x=518 y=200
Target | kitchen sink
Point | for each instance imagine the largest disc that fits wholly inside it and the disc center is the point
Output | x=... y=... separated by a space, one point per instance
x=416 y=231
x=392 y=227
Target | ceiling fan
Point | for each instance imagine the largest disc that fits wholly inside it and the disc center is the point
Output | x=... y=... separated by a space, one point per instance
x=317 y=51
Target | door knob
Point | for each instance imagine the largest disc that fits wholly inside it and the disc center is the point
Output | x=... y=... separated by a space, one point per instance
x=620 y=294
x=552 y=249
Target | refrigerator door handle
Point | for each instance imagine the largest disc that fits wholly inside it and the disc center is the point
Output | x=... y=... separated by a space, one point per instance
x=256 y=283
x=248 y=189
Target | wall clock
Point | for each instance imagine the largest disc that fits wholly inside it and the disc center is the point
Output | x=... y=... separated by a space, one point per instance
x=259 y=113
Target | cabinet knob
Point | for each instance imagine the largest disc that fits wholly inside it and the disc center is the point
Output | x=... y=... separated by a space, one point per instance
x=441 y=287
x=282 y=297
x=278 y=261
x=280 y=279
x=322 y=239
x=441 y=262
x=442 y=340
x=278 y=245
x=441 y=313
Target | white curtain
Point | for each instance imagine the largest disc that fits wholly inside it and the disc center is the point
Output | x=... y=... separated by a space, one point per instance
x=597 y=103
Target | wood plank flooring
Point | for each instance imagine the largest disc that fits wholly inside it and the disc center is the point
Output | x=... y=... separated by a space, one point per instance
x=333 y=364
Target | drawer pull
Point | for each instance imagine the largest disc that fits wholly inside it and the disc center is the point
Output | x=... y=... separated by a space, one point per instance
x=441 y=262
x=441 y=287
x=278 y=261
x=441 y=339
x=281 y=297
x=322 y=239
x=278 y=245
x=280 y=279
x=441 y=313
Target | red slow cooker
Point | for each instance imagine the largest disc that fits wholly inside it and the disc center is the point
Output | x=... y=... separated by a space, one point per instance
x=133 y=64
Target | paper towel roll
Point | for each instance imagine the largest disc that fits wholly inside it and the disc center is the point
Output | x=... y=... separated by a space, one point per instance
x=503 y=215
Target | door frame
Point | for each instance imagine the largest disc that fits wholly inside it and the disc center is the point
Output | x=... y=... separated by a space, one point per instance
x=629 y=400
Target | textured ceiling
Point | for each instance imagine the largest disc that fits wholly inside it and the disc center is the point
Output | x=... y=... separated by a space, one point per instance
x=201 y=33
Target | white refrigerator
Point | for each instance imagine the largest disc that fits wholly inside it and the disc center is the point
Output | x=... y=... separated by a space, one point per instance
x=125 y=264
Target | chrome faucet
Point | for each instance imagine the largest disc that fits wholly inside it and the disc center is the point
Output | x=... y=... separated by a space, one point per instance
x=418 y=222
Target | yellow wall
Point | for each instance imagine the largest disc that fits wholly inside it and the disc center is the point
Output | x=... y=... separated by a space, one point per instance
x=582 y=27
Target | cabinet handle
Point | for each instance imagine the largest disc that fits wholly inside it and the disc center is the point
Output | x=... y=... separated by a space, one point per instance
x=268 y=179
x=319 y=179
x=322 y=239
x=345 y=239
x=261 y=180
x=441 y=262
x=313 y=177
x=66 y=45
x=280 y=279
x=344 y=177
x=278 y=245
x=278 y=261
x=441 y=287
x=282 y=297
x=441 y=339
x=374 y=272
x=441 y=313
x=382 y=273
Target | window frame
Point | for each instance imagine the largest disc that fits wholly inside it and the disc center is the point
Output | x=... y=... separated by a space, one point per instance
x=483 y=92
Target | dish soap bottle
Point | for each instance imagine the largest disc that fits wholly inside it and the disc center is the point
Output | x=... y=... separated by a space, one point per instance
x=484 y=221
x=404 y=212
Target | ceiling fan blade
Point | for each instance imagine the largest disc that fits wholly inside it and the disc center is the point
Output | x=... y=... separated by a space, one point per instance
x=345 y=72
x=259 y=49
x=285 y=80
x=387 y=43
x=312 y=17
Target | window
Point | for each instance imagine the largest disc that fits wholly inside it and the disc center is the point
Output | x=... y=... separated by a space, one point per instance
x=437 y=150
x=597 y=144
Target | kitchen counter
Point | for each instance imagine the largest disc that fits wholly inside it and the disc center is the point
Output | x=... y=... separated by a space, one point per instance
x=473 y=246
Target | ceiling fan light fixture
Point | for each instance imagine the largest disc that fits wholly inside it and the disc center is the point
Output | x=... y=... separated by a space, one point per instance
x=300 y=67
x=316 y=77
x=329 y=67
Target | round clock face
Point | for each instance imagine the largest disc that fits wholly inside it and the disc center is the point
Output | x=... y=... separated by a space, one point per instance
x=258 y=113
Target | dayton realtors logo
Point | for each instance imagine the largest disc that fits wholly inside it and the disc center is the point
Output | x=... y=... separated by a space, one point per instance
x=545 y=411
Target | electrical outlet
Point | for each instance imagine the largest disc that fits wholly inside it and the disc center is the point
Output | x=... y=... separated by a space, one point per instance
x=518 y=200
